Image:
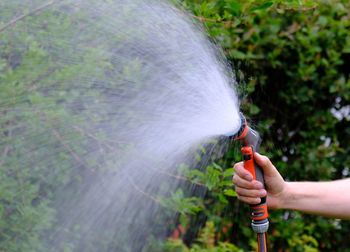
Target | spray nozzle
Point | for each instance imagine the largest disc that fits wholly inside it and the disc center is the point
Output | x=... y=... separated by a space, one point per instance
x=250 y=140
x=246 y=135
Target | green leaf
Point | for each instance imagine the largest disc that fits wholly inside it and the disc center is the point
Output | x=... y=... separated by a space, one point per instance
x=216 y=166
x=235 y=7
x=237 y=54
x=263 y=6
x=230 y=192
x=212 y=177
x=253 y=110
x=228 y=172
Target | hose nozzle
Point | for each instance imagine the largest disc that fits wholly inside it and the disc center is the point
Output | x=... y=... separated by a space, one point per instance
x=247 y=135
x=250 y=143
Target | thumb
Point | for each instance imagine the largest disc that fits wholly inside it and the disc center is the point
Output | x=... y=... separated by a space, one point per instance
x=266 y=165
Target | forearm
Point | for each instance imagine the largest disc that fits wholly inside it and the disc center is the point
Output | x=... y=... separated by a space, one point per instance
x=330 y=199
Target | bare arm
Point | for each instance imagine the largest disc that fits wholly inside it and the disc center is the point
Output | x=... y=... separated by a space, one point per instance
x=331 y=199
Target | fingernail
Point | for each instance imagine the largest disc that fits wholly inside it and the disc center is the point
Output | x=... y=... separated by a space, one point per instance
x=258 y=185
x=262 y=193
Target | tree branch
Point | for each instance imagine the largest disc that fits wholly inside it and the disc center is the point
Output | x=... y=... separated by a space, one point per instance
x=142 y=192
x=15 y=20
x=211 y=20
x=74 y=155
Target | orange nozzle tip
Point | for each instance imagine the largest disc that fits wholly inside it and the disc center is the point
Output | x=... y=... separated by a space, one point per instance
x=243 y=134
x=243 y=130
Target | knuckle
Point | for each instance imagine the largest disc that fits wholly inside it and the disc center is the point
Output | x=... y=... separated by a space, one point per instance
x=237 y=166
x=235 y=179
x=234 y=176
x=266 y=161
x=246 y=175
x=238 y=190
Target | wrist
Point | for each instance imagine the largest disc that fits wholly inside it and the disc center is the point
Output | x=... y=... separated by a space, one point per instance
x=281 y=200
x=287 y=196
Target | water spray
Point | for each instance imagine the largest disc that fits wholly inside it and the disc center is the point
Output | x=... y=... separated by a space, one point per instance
x=259 y=214
x=90 y=90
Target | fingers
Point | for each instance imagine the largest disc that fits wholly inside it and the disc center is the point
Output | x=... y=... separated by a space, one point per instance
x=251 y=193
x=265 y=163
x=250 y=196
x=241 y=172
x=242 y=178
x=240 y=182
x=248 y=190
x=248 y=200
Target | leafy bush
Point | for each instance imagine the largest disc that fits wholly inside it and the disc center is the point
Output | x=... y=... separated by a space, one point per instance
x=292 y=67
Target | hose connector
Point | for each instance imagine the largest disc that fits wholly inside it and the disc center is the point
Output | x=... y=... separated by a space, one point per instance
x=260 y=226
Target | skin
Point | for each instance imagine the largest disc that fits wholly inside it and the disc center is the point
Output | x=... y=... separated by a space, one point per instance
x=330 y=199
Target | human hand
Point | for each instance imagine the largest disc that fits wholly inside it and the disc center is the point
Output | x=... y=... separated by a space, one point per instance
x=250 y=191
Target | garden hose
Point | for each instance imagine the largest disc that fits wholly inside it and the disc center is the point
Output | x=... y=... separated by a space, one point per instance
x=251 y=140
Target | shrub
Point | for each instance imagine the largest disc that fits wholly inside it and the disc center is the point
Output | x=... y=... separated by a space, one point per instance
x=292 y=69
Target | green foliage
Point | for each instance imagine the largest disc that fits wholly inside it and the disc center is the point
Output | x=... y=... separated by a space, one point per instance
x=204 y=243
x=181 y=204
